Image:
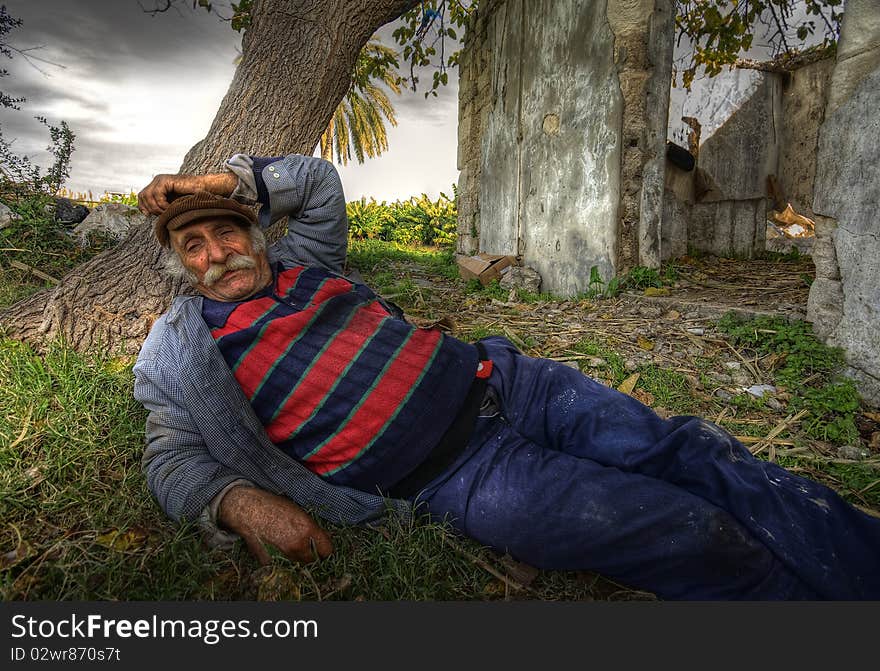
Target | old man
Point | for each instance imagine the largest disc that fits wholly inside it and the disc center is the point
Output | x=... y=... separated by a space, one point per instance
x=286 y=389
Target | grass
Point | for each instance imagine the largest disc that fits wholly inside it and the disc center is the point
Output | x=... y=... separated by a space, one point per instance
x=36 y=241
x=80 y=524
x=807 y=368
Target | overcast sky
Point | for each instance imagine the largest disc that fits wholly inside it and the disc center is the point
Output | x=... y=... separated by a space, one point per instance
x=139 y=90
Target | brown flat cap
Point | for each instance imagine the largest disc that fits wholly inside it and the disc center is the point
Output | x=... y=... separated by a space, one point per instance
x=200 y=205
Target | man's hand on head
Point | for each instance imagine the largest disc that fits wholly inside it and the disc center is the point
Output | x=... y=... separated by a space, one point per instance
x=156 y=196
x=261 y=517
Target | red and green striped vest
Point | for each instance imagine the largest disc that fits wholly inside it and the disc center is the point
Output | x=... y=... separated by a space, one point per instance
x=357 y=395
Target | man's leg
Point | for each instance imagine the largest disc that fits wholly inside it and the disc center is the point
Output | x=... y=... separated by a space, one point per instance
x=556 y=511
x=833 y=546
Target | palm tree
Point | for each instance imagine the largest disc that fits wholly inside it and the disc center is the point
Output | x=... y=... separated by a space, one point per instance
x=358 y=124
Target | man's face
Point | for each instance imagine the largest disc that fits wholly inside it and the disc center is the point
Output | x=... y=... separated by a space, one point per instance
x=221 y=256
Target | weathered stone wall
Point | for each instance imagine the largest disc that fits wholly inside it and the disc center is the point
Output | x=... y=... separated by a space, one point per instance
x=844 y=302
x=563 y=102
x=727 y=213
x=804 y=97
x=774 y=134
x=474 y=102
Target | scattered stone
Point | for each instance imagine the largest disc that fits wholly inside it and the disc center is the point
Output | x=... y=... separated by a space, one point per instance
x=651 y=311
x=758 y=390
x=773 y=403
x=630 y=364
x=596 y=362
x=113 y=219
x=521 y=277
x=7 y=216
x=723 y=377
x=741 y=377
x=68 y=212
x=732 y=365
x=723 y=394
x=571 y=364
x=852 y=453
x=696 y=331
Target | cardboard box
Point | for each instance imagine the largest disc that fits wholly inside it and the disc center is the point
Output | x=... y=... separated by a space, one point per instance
x=483 y=267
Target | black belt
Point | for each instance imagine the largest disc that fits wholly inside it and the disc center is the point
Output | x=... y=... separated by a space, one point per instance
x=452 y=443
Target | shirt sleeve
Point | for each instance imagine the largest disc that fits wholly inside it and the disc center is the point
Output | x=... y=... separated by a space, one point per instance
x=242 y=166
x=184 y=478
x=308 y=191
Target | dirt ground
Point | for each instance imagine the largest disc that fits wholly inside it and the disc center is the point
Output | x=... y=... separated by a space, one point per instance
x=717 y=285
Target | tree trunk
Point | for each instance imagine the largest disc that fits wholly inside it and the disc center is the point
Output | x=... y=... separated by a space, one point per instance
x=297 y=58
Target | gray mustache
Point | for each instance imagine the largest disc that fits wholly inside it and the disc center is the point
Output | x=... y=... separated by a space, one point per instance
x=235 y=262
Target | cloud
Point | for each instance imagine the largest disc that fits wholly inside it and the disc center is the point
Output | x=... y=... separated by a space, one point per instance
x=139 y=91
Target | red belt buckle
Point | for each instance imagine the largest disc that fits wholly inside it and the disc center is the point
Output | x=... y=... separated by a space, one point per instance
x=484 y=369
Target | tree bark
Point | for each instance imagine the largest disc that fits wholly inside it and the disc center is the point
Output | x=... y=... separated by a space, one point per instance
x=297 y=58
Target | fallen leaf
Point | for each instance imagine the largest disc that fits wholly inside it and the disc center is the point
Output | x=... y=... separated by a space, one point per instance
x=656 y=291
x=495 y=588
x=122 y=541
x=276 y=583
x=118 y=364
x=875 y=441
x=672 y=315
x=875 y=416
x=645 y=397
x=629 y=384
x=645 y=344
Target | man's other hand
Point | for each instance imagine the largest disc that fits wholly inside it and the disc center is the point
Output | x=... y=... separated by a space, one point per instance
x=261 y=517
x=156 y=196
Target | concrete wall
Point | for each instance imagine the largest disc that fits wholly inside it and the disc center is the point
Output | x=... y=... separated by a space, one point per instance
x=844 y=302
x=804 y=97
x=564 y=102
x=474 y=103
x=774 y=133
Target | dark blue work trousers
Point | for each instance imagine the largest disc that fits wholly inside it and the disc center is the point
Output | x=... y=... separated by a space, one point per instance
x=570 y=474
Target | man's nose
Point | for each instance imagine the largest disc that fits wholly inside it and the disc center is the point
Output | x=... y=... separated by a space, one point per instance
x=218 y=252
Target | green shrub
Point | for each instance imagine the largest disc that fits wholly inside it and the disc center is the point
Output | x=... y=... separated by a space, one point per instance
x=418 y=220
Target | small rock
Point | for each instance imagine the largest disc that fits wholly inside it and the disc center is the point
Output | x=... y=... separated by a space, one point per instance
x=571 y=364
x=696 y=331
x=723 y=394
x=758 y=390
x=68 y=212
x=595 y=362
x=521 y=277
x=630 y=364
x=732 y=365
x=722 y=377
x=742 y=378
x=852 y=452
x=112 y=219
x=773 y=403
x=7 y=216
